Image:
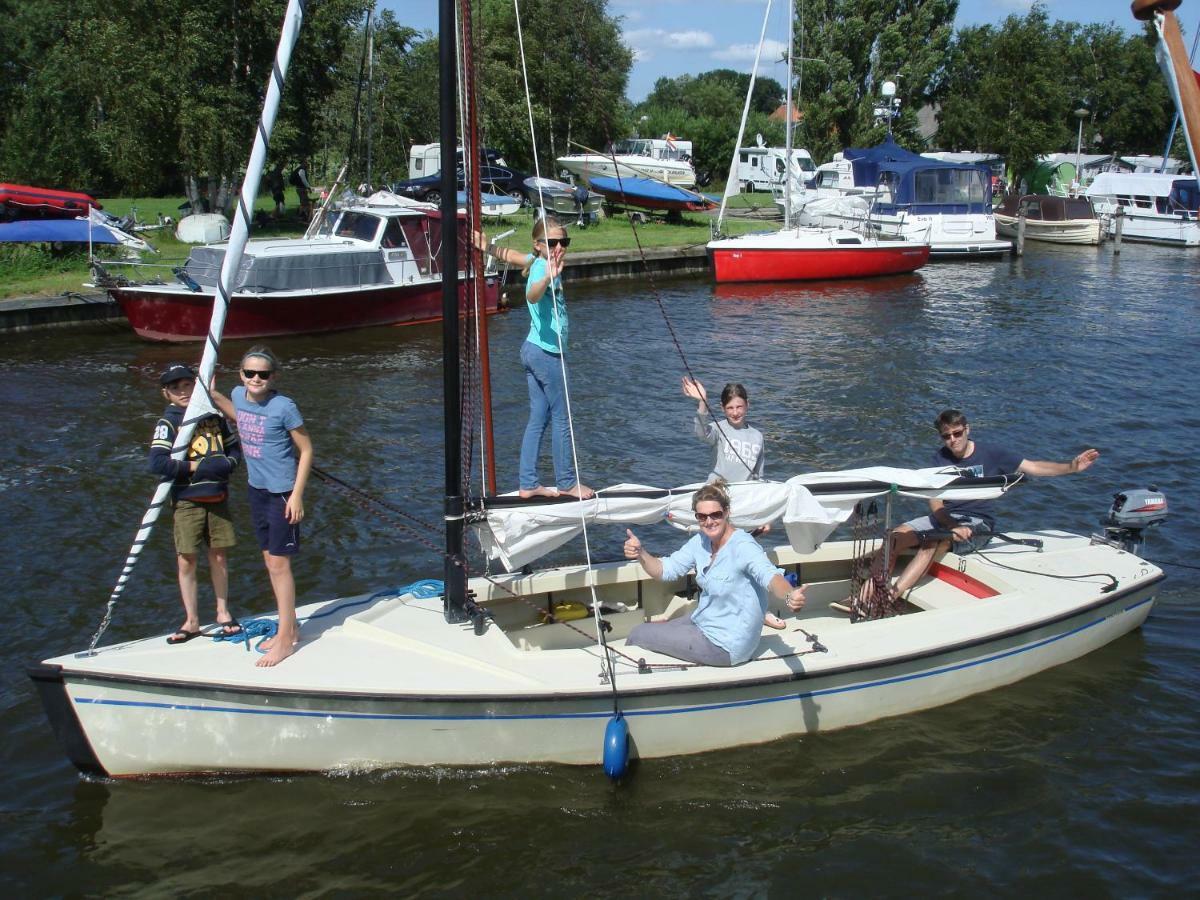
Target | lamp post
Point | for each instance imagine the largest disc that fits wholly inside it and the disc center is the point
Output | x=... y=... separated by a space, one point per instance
x=1080 y=114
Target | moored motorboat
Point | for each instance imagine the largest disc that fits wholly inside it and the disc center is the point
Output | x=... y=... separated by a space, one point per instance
x=810 y=254
x=1157 y=209
x=375 y=263
x=1055 y=220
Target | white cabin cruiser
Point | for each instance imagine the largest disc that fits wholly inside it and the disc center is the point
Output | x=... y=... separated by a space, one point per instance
x=1158 y=209
x=663 y=159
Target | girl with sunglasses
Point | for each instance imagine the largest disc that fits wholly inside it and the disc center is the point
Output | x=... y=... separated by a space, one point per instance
x=736 y=580
x=279 y=457
x=545 y=372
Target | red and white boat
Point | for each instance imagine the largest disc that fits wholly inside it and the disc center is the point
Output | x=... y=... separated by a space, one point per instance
x=376 y=263
x=811 y=254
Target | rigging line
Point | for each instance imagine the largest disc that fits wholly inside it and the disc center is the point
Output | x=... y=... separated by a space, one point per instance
x=557 y=301
x=238 y=236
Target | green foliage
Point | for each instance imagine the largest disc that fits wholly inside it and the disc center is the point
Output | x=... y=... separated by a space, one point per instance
x=1013 y=89
x=856 y=45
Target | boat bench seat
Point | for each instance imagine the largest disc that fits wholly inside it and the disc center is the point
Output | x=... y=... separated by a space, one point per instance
x=933 y=593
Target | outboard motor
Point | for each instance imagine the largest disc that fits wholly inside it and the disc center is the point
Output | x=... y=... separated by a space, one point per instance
x=1131 y=513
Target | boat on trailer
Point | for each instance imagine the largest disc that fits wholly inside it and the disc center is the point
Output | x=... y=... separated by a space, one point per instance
x=376 y=262
x=649 y=193
x=382 y=680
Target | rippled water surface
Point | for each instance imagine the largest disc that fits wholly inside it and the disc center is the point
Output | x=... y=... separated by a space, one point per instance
x=1083 y=781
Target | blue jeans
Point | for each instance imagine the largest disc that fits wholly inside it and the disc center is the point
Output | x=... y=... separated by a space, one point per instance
x=547 y=409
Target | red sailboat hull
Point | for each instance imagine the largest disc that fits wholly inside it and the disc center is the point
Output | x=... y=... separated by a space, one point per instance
x=166 y=314
x=812 y=264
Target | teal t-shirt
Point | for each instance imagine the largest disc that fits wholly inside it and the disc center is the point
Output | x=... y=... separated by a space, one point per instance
x=548 y=328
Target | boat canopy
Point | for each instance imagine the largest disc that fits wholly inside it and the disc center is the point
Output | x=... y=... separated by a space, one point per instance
x=1047 y=208
x=517 y=532
x=1181 y=192
x=917 y=182
x=311 y=270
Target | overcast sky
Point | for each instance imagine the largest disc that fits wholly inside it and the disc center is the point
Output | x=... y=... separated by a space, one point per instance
x=673 y=37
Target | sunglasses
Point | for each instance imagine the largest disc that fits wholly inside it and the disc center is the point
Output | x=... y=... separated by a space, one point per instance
x=264 y=375
x=710 y=517
x=953 y=435
x=555 y=242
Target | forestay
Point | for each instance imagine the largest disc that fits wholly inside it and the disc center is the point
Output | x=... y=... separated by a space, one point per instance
x=811 y=507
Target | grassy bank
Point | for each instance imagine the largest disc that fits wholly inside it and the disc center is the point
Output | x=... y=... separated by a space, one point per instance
x=34 y=270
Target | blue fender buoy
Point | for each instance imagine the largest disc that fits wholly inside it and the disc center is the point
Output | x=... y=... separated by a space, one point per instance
x=616 y=747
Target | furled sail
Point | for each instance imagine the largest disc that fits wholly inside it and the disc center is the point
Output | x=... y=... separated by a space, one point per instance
x=811 y=507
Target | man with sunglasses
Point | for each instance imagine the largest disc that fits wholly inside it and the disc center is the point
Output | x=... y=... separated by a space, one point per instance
x=969 y=521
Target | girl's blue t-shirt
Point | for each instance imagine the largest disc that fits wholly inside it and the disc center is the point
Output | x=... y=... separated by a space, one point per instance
x=267 y=446
x=548 y=328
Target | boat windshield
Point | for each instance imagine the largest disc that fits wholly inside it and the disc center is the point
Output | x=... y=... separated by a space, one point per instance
x=359 y=226
x=632 y=148
x=1185 y=195
x=948 y=187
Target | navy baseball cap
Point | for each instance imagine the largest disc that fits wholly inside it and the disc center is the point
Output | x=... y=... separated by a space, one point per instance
x=174 y=372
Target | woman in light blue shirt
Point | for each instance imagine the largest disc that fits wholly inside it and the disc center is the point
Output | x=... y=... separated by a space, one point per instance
x=736 y=582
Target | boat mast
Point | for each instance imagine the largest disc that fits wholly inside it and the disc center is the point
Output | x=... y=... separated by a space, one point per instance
x=1173 y=60
x=455 y=596
x=787 y=164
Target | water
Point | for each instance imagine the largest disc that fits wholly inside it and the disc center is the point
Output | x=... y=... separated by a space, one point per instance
x=1082 y=781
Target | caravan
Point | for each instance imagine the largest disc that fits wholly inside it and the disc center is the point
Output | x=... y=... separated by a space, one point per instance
x=763 y=168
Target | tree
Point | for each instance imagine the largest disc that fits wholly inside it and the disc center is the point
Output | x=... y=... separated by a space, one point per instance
x=856 y=45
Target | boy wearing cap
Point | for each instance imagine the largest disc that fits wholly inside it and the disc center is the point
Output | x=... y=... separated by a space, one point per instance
x=200 y=486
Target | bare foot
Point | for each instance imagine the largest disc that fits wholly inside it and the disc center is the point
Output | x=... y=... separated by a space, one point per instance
x=538 y=491
x=582 y=491
x=269 y=642
x=773 y=621
x=280 y=652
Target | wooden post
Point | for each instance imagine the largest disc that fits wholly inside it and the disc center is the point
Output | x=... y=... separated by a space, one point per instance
x=1120 y=226
x=1021 y=233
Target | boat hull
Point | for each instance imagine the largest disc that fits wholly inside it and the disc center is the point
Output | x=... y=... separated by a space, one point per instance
x=777 y=264
x=1081 y=231
x=127 y=727
x=164 y=313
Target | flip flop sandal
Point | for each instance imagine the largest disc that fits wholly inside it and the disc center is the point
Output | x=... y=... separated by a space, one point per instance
x=182 y=636
x=231 y=627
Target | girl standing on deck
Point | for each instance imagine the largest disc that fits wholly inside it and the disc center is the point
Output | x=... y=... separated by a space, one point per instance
x=545 y=373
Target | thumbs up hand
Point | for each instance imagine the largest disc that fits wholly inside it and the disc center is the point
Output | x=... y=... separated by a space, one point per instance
x=633 y=546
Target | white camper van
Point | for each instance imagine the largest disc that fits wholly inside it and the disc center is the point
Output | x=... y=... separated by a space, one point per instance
x=762 y=168
x=426 y=159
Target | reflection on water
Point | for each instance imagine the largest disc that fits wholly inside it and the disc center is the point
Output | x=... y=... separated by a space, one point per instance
x=1084 y=778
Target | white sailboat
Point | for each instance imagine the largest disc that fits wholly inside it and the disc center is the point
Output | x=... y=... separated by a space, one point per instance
x=436 y=675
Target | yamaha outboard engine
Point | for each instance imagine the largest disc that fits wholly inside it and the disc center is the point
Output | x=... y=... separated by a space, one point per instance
x=1132 y=512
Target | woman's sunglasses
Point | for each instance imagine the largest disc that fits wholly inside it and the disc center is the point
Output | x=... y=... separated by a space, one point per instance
x=555 y=242
x=710 y=517
x=260 y=373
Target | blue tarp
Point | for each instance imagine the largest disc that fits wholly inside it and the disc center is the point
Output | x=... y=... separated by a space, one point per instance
x=55 y=231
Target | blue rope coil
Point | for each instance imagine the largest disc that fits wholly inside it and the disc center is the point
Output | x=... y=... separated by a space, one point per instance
x=425 y=589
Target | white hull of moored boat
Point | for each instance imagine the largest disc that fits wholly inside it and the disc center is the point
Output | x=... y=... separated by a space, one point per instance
x=385 y=682
x=1082 y=231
